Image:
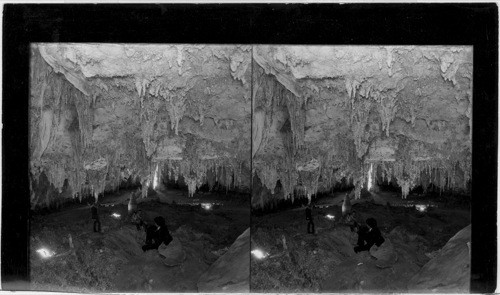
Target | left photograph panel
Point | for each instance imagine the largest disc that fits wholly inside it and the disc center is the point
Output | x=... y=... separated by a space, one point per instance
x=140 y=167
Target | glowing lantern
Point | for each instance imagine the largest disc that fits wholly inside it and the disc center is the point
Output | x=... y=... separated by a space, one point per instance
x=116 y=215
x=259 y=254
x=329 y=216
x=206 y=206
x=421 y=208
x=45 y=253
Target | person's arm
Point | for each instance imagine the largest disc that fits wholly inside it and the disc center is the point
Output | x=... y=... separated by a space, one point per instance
x=369 y=243
x=168 y=239
x=379 y=239
x=158 y=239
x=165 y=236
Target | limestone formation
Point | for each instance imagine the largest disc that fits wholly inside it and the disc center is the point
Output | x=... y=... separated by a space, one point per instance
x=101 y=114
x=327 y=113
x=230 y=273
x=449 y=271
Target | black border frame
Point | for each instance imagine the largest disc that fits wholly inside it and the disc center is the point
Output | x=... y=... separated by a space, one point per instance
x=356 y=24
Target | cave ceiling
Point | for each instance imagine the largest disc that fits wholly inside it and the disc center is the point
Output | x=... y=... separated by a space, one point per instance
x=325 y=113
x=102 y=112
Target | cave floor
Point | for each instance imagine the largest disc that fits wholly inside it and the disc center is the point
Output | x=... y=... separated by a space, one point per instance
x=114 y=261
x=326 y=262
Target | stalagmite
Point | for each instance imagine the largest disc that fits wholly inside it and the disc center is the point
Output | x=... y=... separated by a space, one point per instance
x=346 y=205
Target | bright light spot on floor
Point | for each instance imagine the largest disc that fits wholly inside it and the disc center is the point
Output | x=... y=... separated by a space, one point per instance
x=259 y=254
x=330 y=216
x=370 y=180
x=421 y=208
x=116 y=215
x=206 y=206
x=155 y=178
x=45 y=253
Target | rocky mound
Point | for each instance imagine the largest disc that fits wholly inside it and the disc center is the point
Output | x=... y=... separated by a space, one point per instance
x=231 y=272
x=449 y=271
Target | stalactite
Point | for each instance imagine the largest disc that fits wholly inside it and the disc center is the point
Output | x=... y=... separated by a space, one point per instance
x=449 y=68
x=85 y=117
x=387 y=110
x=297 y=117
x=176 y=109
x=359 y=120
x=351 y=86
x=309 y=180
x=390 y=59
x=180 y=58
x=268 y=176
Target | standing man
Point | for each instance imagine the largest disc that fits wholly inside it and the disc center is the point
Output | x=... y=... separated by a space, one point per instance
x=95 y=217
x=137 y=219
x=310 y=224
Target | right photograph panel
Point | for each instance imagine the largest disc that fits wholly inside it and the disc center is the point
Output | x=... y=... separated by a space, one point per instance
x=361 y=168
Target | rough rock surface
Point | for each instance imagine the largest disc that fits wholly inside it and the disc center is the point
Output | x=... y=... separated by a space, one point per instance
x=173 y=254
x=323 y=114
x=231 y=272
x=101 y=114
x=449 y=271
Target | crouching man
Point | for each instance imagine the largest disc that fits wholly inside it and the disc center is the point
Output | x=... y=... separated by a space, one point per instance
x=155 y=236
x=370 y=239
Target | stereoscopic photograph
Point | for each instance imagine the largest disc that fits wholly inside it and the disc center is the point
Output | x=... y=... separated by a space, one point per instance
x=255 y=148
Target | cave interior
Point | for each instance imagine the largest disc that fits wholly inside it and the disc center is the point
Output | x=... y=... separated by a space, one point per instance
x=207 y=135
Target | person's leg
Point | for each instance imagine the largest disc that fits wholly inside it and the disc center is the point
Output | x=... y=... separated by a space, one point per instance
x=309 y=226
x=98 y=225
x=312 y=223
x=148 y=247
x=149 y=235
x=360 y=245
x=95 y=225
x=361 y=240
x=362 y=232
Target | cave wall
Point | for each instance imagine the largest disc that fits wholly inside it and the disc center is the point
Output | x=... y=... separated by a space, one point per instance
x=102 y=114
x=327 y=113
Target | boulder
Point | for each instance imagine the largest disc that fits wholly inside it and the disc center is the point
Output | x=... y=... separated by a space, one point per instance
x=231 y=272
x=173 y=254
x=449 y=271
x=385 y=254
